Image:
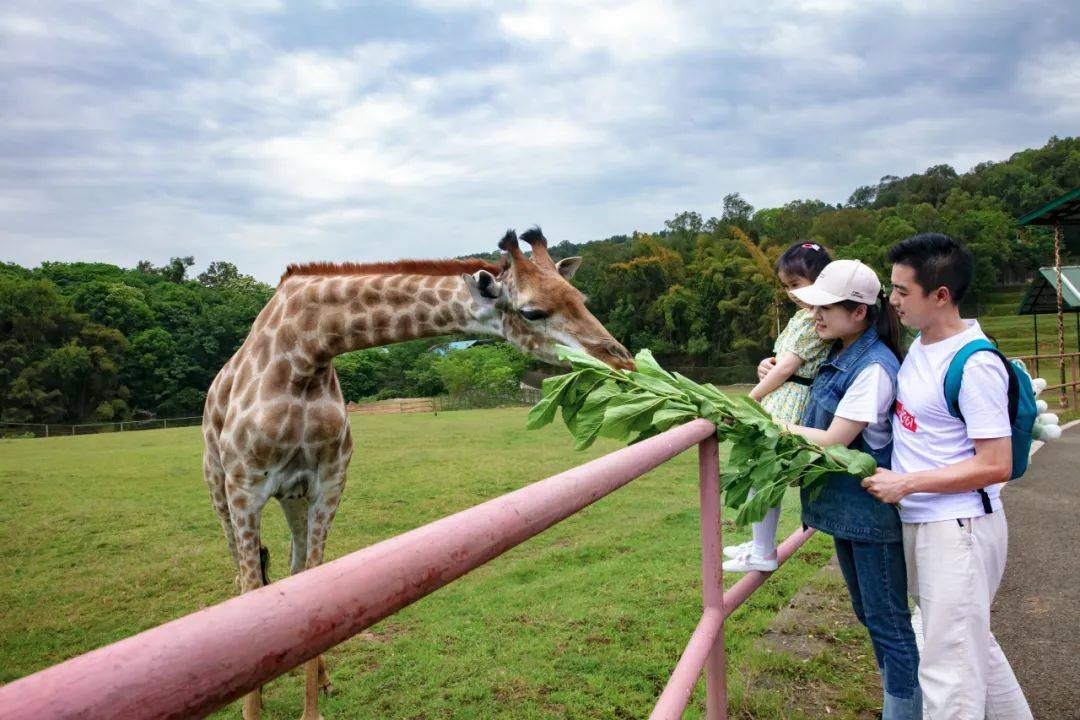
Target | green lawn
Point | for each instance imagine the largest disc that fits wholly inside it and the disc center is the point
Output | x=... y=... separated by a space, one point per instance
x=103 y=536
x=1014 y=333
x=1015 y=336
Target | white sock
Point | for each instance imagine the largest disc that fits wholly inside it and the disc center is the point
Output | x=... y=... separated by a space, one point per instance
x=764 y=533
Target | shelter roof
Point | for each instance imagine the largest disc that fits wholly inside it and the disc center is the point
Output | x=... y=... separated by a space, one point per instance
x=1066 y=210
x=1041 y=297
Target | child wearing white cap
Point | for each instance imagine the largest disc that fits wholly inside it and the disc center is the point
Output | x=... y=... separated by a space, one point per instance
x=850 y=404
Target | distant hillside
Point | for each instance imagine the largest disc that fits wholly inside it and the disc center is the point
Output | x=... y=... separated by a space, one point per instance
x=91 y=341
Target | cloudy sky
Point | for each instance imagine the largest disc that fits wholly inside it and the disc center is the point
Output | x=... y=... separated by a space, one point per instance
x=265 y=132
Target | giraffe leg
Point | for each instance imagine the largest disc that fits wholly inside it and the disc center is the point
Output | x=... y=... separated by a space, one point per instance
x=296 y=515
x=320 y=516
x=215 y=483
x=245 y=511
x=325 y=686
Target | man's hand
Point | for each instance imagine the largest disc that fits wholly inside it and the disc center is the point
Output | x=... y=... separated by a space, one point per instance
x=765 y=367
x=887 y=486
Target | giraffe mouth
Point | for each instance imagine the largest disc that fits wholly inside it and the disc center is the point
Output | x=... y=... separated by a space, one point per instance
x=611 y=353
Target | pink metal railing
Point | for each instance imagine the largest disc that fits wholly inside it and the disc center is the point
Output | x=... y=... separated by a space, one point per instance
x=194 y=665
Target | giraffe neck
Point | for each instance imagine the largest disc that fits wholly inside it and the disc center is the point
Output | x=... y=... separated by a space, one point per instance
x=315 y=318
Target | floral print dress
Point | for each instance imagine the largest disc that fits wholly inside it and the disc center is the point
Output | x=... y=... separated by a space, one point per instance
x=788 y=402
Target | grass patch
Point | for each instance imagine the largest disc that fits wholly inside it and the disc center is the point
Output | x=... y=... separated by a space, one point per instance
x=1015 y=336
x=1014 y=333
x=104 y=536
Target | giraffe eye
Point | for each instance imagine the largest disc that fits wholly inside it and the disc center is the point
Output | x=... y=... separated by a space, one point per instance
x=532 y=314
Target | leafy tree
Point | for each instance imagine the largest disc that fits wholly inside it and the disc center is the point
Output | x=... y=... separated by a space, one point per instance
x=486 y=369
x=175 y=271
x=54 y=317
x=636 y=284
x=843 y=227
x=869 y=251
x=153 y=368
x=187 y=401
x=794 y=220
x=424 y=376
x=358 y=373
x=737 y=211
x=219 y=274
x=676 y=311
x=115 y=305
x=863 y=197
x=685 y=222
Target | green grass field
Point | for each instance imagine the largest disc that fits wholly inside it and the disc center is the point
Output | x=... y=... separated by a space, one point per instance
x=997 y=315
x=103 y=536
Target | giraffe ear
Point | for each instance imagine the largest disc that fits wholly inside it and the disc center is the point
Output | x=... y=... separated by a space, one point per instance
x=483 y=286
x=568 y=266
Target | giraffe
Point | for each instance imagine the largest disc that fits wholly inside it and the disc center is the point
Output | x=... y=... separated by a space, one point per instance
x=275 y=424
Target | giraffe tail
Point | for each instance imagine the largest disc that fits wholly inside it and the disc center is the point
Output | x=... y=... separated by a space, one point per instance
x=264 y=564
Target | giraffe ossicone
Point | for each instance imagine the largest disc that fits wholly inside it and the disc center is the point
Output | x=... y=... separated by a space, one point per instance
x=275 y=424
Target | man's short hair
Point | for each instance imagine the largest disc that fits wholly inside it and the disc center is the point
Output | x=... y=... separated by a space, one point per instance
x=938 y=261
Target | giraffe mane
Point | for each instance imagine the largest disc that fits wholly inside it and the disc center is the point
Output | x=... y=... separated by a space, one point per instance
x=399 y=267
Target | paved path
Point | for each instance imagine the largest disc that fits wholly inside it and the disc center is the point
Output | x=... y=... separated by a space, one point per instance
x=1036 y=616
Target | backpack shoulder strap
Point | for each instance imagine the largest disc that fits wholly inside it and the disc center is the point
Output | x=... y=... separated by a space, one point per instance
x=954 y=376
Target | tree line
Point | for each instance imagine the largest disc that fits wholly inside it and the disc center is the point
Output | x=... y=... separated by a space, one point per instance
x=82 y=342
x=702 y=290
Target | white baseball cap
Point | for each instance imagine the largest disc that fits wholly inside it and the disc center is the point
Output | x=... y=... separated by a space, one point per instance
x=842 y=280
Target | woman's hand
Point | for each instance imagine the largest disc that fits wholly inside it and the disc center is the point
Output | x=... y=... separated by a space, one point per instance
x=765 y=367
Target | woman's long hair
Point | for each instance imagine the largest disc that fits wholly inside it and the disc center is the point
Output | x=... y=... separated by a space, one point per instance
x=882 y=315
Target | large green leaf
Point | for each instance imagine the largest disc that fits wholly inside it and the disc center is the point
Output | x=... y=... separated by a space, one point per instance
x=631 y=406
x=646 y=365
x=580 y=359
x=591 y=415
x=659 y=386
x=623 y=418
x=544 y=411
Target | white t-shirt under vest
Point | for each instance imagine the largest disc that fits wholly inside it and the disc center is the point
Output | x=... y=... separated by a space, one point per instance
x=926 y=436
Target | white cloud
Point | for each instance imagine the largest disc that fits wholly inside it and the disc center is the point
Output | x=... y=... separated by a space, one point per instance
x=626 y=31
x=1053 y=76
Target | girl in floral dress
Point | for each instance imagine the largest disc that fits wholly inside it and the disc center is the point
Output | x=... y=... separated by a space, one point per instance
x=784 y=390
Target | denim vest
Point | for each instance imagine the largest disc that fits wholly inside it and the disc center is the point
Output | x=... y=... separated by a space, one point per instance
x=844 y=509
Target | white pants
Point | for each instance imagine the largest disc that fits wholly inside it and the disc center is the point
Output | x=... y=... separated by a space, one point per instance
x=953 y=574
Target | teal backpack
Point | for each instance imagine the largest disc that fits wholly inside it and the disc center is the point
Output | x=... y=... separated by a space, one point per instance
x=1022 y=408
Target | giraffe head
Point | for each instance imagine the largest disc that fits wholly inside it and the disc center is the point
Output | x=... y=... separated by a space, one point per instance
x=537 y=307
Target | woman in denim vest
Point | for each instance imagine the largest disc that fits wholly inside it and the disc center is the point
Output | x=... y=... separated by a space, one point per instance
x=850 y=404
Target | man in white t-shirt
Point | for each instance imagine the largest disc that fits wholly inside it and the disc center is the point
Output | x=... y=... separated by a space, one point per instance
x=946 y=477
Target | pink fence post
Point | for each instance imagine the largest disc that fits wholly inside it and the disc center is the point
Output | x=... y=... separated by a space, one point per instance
x=712 y=576
x=705 y=650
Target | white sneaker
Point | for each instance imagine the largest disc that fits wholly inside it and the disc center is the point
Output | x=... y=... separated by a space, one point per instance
x=734 y=551
x=749 y=562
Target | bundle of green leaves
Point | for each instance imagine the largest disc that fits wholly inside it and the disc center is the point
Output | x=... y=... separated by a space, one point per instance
x=633 y=405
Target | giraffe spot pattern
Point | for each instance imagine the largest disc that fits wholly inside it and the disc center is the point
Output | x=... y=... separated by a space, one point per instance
x=289 y=417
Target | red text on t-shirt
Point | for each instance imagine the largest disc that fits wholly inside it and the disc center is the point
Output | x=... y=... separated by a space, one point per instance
x=907 y=420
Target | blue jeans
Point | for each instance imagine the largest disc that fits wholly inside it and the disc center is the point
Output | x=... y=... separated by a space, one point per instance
x=876 y=578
